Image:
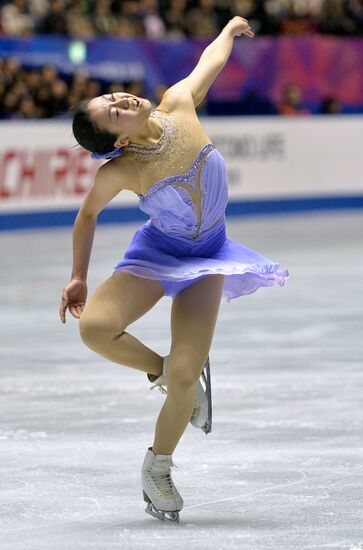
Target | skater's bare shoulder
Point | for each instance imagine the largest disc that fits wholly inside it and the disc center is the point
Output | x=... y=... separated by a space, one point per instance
x=179 y=104
x=112 y=177
x=178 y=99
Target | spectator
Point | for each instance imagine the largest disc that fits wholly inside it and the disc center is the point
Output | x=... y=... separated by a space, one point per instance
x=54 y=22
x=10 y=106
x=58 y=92
x=154 y=25
x=43 y=100
x=330 y=106
x=202 y=21
x=130 y=21
x=253 y=103
x=34 y=81
x=354 y=9
x=295 y=21
x=79 y=23
x=16 y=19
x=254 y=11
x=38 y=9
x=93 y=88
x=80 y=80
x=291 y=102
x=12 y=68
x=174 y=18
x=334 y=18
x=103 y=19
x=49 y=74
x=27 y=108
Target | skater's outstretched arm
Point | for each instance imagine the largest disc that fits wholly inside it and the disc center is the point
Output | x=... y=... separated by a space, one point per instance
x=214 y=58
x=211 y=62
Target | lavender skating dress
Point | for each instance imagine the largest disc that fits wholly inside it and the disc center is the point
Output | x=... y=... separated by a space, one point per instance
x=178 y=245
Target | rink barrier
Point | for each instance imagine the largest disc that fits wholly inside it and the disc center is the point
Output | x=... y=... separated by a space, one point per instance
x=65 y=218
x=274 y=165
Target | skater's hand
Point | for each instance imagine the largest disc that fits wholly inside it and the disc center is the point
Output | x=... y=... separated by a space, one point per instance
x=73 y=298
x=238 y=26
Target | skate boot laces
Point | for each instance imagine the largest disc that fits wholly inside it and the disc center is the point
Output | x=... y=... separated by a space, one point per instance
x=162 y=478
x=163 y=484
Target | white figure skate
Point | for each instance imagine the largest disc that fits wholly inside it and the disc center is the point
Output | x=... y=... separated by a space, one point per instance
x=163 y=500
x=202 y=412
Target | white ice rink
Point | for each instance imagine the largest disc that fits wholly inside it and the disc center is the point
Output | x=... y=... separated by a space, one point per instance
x=282 y=468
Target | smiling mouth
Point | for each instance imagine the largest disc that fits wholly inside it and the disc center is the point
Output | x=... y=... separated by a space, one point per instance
x=137 y=103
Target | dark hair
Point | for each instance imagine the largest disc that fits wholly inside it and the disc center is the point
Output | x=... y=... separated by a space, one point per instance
x=86 y=132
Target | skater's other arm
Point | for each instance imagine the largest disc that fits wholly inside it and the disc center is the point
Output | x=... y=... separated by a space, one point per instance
x=210 y=64
x=111 y=178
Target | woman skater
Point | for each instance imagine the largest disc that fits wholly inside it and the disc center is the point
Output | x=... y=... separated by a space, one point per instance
x=166 y=158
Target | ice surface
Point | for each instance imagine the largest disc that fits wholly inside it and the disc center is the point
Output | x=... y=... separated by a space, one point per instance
x=282 y=468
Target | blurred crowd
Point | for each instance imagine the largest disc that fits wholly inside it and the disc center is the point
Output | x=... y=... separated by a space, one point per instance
x=44 y=93
x=177 y=18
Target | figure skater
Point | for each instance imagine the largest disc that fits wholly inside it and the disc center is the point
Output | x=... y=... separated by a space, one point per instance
x=166 y=158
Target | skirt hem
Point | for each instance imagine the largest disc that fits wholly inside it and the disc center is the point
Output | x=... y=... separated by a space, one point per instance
x=238 y=282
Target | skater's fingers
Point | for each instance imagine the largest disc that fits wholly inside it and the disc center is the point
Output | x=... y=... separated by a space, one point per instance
x=74 y=312
x=62 y=315
x=79 y=310
x=62 y=311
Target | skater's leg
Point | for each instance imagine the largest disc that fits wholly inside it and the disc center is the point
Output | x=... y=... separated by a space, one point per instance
x=118 y=302
x=193 y=319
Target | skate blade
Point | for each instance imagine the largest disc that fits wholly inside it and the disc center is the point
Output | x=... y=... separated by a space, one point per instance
x=207 y=428
x=206 y=377
x=172 y=517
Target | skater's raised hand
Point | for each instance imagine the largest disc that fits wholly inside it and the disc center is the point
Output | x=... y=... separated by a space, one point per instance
x=211 y=62
x=238 y=26
x=73 y=298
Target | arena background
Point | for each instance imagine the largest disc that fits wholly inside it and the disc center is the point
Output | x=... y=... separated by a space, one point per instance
x=276 y=163
x=282 y=468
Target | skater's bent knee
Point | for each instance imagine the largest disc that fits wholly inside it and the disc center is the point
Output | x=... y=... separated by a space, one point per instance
x=95 y=329
x=184 y=370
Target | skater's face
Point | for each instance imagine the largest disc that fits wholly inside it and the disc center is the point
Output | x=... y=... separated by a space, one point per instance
x=120 y=113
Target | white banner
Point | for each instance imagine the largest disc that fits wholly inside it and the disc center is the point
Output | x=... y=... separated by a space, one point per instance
x=289 y=157
x=267 y=158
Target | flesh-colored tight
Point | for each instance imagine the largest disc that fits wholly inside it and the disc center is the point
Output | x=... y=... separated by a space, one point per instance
x=124 y=298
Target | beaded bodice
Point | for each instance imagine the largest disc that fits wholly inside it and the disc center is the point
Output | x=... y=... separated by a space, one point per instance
x=183 y=178
x=192 y=202
x=180 y=142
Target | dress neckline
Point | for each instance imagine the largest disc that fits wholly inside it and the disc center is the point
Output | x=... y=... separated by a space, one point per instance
x=204 y=151
x=145 y=151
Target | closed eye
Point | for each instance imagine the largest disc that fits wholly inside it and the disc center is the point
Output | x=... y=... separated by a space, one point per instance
x=116 y=109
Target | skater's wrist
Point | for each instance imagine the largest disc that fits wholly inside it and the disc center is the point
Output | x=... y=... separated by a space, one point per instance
x=79 y=276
